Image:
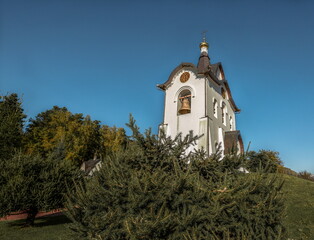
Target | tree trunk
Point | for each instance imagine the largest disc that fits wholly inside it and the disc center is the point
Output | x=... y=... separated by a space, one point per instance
x=31 y=214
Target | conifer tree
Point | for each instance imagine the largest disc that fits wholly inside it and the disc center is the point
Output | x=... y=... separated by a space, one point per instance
x=32 y=183
x=155 y=190
x=11 y=124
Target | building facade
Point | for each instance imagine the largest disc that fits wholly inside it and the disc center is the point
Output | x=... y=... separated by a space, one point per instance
x=198 y=101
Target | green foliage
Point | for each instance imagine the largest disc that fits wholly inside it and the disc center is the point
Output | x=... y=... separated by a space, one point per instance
x=59 y=128
x=112 y=139
x=154 y=190
x=50 y=228
x=264 y=160
x=299 y=199
x=285 y=170
x=32 y=184
x=79 y=137
x=298 y=196
x=306 y=175
x=11 y=124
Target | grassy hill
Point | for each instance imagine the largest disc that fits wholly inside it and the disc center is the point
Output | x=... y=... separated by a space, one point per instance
x=299 y=196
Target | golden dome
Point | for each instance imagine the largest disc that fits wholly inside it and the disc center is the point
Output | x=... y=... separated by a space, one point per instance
x=203 y=44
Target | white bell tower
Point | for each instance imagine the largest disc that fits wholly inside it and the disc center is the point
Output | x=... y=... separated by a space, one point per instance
x=198 y=101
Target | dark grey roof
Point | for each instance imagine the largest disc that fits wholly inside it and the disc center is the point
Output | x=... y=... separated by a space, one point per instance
x=203 y=65
x=214 y=67
x=231 y=140
x=87 y=166
x=226 y=84
x=203 y=68
x=181 y=65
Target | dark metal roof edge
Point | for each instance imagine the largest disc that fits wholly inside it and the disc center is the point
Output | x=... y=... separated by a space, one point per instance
x=233 y=104
x=234 y=131
x=210 y=73
x=179 y=67
x=213 y=76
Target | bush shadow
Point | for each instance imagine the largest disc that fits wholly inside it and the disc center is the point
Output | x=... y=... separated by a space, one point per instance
x=51 y=220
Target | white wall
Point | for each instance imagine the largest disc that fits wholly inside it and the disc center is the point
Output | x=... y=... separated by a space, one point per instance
x=184 y=123
x=201 y=120
x=214 y=92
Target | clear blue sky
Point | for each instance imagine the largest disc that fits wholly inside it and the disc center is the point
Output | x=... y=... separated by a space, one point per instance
x=104 y=58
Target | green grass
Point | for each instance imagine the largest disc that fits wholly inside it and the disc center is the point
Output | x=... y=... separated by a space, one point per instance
x=299 y=195
x=47 y=228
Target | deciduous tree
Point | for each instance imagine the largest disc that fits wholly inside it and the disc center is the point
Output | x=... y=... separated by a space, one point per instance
x=78 y=136
x=112 y=139
x=263 y=160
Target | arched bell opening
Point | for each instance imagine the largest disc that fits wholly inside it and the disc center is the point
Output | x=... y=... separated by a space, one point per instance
x=184 y=102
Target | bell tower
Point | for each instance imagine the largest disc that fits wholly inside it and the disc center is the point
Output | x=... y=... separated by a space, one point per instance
x=198 y=101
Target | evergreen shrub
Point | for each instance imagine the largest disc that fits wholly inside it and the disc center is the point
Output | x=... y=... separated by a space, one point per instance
x=32 y=184
x=154 y=190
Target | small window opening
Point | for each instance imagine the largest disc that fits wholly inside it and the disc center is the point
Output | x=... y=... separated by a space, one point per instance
x=231 y=123
x=223 y=113
x=215 y=107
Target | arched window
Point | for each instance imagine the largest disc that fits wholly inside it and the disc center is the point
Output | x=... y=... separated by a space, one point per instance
x=231 y=122
x=223 y=113
x=184 y=102
x=215 y=107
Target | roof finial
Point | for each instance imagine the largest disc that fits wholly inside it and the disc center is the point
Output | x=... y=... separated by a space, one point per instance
x=204 y=44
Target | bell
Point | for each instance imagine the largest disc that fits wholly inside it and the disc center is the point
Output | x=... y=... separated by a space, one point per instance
x=185 y=107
